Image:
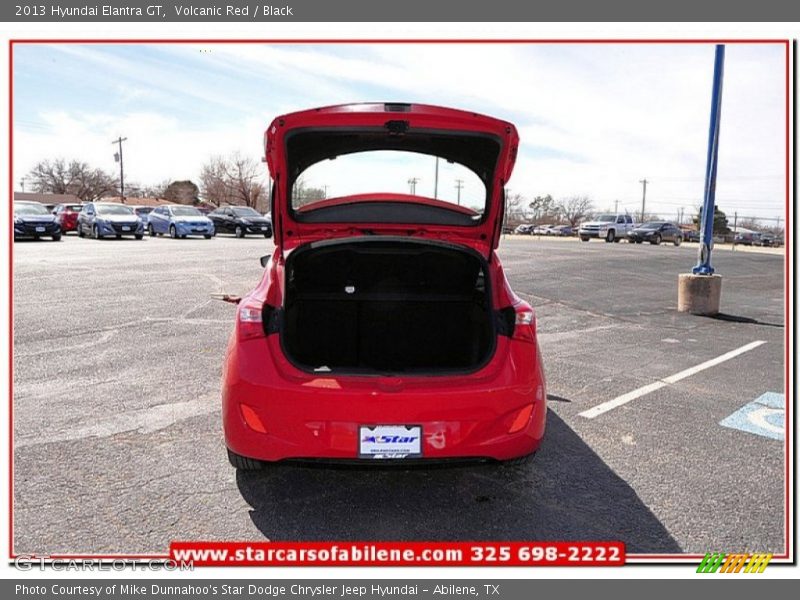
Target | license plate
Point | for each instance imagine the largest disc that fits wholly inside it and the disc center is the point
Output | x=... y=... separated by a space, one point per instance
x=39 y=229
x=126 y=229
x=389 y=441
x=263 y=229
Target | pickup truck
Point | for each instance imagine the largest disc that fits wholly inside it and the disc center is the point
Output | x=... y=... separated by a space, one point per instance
x=609 y=227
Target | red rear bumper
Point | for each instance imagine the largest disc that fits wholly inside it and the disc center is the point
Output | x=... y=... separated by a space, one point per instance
x=69 y=222
x=304 y=415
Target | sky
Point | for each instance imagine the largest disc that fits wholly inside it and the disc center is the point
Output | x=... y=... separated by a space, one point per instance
x=594 y=119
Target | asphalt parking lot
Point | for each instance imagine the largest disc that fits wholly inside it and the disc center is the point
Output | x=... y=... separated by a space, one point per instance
x=117 y=428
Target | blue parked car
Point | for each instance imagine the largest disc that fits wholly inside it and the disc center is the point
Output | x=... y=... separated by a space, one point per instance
x=108 y=219
x=179 y=221
x=32 y=220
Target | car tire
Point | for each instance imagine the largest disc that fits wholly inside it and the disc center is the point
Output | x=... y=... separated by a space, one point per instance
x=57 y=237
x=677 y=241
x=119 y=236
x=139 y=236
x=267 y=235
x=80 y=231
x=173 y=233
x=183 y=237
x=207 y=236
x=519 y=461
x=584 y=239
x=610 y=236
x=239 y=231
x=96 y=233
x=151 y=231
x=243 y=463
x=656 y=241
x=638 y=241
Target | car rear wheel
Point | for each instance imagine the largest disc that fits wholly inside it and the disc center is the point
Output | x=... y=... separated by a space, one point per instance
x=239 y=231
x=677 y=241
x=96 y=233
x=151 y=231
x=656 y=241
x=243 y=463
x=80 y=231
x=610 y=236
x=173 y=233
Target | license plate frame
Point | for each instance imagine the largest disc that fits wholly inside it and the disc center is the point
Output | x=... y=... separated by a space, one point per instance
x=386 y=442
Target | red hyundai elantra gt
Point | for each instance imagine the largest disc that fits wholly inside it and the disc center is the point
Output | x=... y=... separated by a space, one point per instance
x=383 y=329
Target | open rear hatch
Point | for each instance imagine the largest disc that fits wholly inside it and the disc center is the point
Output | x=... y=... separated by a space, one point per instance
x=482 y=147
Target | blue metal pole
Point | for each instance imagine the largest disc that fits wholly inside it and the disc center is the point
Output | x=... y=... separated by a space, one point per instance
x=703 y=266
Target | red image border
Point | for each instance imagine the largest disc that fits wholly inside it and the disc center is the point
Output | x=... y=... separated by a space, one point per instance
x=638 y=558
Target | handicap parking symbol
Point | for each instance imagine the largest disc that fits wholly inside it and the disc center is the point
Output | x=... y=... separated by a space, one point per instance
x=763 y=416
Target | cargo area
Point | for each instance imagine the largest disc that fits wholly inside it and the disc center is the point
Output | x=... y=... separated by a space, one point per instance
x=387 y=306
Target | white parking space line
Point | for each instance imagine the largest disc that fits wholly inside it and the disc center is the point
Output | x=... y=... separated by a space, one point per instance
x=652 y=387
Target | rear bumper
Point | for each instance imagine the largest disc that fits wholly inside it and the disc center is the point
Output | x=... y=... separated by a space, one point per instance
x=69 y=224
x=317 y=416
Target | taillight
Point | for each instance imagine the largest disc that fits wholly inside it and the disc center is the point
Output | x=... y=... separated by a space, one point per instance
x=524 y=322
x=250 y=320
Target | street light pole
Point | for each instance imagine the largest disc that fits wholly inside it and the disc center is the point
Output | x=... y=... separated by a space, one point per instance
x=644 y=195
x=459 y=186
x=436 y=180
x=118 y=158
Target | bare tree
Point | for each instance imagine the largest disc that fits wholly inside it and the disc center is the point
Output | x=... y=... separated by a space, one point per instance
x=515 y=210
x=75 y=177
x=543 y=207
x=157 y=190
x=213 y=181
x=303 y=194
x=575 y=208
x=235 y=179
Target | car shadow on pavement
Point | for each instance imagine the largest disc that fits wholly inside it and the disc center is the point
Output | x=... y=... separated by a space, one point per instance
x=566 y=493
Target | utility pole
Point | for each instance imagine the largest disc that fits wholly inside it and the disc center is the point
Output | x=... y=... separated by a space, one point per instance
x=616 y=207
x=459 y=187
x=22 y=183
x=735 y=218
x=644 y=195
x=118 y=158
x=436 y=180
x=412 y=185
x=681 y=219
